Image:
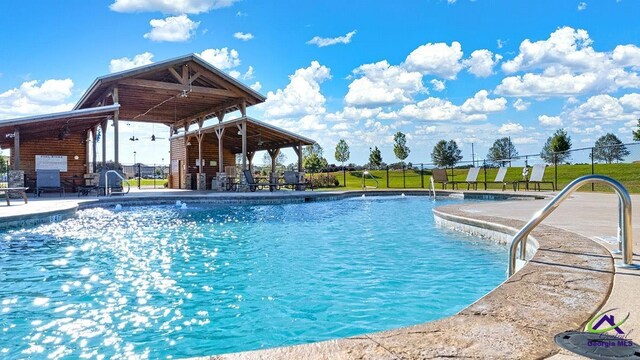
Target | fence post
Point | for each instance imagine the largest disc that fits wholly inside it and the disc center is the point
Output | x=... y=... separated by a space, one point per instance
x=484 y=167
x=344 y=176
x=154 y=176
x=139 y=177
x=593 y=186
x=387 y=176
x=422 y=175
x=555 y=170
x=404 y=179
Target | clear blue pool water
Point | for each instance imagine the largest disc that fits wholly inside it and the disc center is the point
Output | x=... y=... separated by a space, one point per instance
x=162 y=282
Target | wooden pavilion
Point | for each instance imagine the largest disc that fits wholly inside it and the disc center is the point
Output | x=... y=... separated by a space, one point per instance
x=182 y=93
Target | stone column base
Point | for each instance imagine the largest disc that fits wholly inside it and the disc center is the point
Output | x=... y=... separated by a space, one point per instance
x=202 y=181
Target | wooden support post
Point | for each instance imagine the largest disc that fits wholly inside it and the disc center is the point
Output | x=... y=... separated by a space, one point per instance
x=199 y=137
x=274 y=155
x=243 y=132
x=298 y=150
x=104 y=145
x=220 y=116
x=87 y=153
x=250 y=155
x=94 y=132
x=243 y=108
x=116 y=115
x=219 y=134
x=16 y=148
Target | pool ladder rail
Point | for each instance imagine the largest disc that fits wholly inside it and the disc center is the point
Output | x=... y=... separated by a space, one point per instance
x=364 y=181
x=106 y=183
x=625 y=236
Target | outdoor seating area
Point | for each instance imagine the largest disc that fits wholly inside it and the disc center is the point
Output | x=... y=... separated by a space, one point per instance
x=21 y=191
x=536 y=179
x=230 y=181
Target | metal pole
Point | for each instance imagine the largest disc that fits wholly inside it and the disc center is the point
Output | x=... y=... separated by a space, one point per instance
x=387 y=176
x=139 y=177
x=625 y=223
x=484 y=166
x=404 y=179
x=422 y=175
x=555 y=170
x=593 y=186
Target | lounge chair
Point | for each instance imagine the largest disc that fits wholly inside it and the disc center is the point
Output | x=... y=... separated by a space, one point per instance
x=15 y=190
x=292 y=180
x=48 y=180
x=471 y=179
x=537 y=174
x=255 y=185
x=502 y=172
x=440 y=176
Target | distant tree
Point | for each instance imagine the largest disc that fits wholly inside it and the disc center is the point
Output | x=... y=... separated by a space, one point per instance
x=312 y=159
x=314 y=163
x=557 y=147
x=502 y=150
x=312 y=149
x=400 y=148
x=3 y=165
x=280 y=159
x=342 y=152
x=375 y=157
x=636 y=133
x=446 y=154
x=609 y=148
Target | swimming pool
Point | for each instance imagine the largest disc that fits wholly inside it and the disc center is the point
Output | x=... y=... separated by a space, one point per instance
x=158 y=281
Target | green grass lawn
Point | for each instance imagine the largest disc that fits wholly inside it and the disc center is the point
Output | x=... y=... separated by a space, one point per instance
x=627 y=174
x=148 y=183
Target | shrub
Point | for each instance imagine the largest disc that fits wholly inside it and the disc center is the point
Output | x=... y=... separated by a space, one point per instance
x=324 y=180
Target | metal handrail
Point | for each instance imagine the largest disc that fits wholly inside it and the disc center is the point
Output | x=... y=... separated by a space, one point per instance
x=433 y=187
x=106 y=182
x=624 y=219
x=366 y=172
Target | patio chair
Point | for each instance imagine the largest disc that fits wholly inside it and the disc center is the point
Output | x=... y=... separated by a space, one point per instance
x=292 y=180
x=22 y=191
x=48 y=180
x=440 y=176
x=471 y=179
x=502 y=172
x=537 y=174
x=255 y=185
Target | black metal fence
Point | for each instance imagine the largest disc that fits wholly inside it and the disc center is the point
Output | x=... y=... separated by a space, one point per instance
x=621 y=162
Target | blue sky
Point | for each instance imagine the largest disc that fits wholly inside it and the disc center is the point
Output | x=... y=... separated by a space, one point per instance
x=472 y=71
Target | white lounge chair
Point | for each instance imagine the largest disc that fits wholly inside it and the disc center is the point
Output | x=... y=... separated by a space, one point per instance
x=537 y=174
x=472 y=178
x=502 y=172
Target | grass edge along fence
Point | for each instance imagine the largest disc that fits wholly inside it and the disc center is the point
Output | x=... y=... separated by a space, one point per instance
x=574 y=163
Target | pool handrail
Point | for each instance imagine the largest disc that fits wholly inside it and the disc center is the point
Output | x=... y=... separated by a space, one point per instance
x=364 y=181
x=106 y=183
x=625 y=235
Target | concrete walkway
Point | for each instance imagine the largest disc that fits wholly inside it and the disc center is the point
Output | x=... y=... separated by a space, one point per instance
x=593 y=215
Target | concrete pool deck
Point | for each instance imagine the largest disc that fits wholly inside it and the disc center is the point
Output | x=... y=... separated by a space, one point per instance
x=570 y=278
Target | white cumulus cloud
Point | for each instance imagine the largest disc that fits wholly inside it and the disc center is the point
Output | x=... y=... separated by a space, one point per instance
x=481 y=62
x=510 y=128
x=480 y=103
x=223 y=59
x=383 y=84
x=256 y=86
x=521 y=105
x=170 y=6
x=322 y=42
x=437 y=85
x=551 y=121
x=437 y=59
x=300 y=98
x=124 y=63
x=172 y=29
x=582 y=6
x=33 y=98
x=243 y=36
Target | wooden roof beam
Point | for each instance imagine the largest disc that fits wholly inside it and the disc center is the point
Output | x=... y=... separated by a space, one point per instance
x=151 y=84
x=205 y=115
